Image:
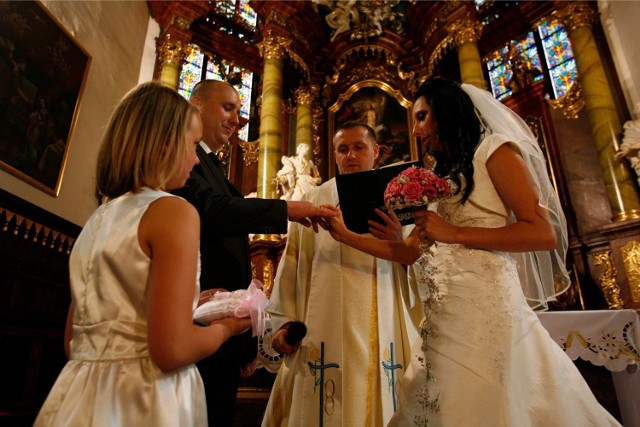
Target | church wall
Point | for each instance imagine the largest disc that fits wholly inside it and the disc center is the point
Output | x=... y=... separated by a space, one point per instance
x=114 y=34
x=620 y=23
x=582 y=172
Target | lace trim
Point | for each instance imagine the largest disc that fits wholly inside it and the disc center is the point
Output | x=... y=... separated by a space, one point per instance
x=428 y=396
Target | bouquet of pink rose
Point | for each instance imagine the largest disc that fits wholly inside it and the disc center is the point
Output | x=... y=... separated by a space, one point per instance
x=415 y=187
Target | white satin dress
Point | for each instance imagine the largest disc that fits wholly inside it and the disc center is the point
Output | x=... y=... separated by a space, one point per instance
x=483 y=358
x=110 y=379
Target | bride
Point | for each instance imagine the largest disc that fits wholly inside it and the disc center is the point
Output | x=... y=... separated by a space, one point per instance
x=484 y=257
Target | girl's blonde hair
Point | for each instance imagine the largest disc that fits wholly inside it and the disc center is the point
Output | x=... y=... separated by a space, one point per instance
x=145 y=142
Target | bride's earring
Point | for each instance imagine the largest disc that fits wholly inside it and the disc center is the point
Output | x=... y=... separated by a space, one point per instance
x=429 y=161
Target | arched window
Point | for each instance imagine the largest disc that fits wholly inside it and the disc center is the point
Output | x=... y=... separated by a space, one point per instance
x=551 y=42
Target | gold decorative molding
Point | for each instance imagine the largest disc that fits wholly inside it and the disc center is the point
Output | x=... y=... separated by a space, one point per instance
x=282 y=21
x=172 y=51
x=631 y=259
x=298 y=62
x=368 y=71
x=466 y=30
x=181 y=23
x=223 y=153
x=571 y=103
x=303 y=96
x=273 y=47
x=249 y=151
x=318 y=115
x=276 y=17
x=439 y=51
x=627 y=215
x=35 y=232
x=276 y=47
x=441 y=18
x=575 y=15
x=607 y=280
x=267 y=276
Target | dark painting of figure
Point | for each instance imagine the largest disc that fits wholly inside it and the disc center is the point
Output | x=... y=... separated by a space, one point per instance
x=42 y=72
x=383 y=112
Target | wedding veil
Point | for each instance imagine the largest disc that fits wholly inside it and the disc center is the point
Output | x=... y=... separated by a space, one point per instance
x=543 y=275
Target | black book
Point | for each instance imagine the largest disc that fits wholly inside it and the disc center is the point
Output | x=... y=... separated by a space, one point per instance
x=361 y=192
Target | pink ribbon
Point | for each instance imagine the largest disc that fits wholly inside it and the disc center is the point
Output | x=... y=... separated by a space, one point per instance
x=254 y=305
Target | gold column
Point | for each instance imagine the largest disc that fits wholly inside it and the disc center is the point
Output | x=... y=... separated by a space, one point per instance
x=272 y=49
x=465 y=33
x=601 y=111
x=304 y=122
x=170 y=54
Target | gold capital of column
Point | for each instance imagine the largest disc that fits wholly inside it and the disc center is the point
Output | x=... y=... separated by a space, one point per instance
x=465 y=34
x=575 y=15
x=171 y=51
x=273 y=47
x=171 y=54
x=466 y=30
x=303 y=96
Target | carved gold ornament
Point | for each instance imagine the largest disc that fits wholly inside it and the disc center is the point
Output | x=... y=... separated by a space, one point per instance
x=249 y=151
x=631 y=259
x=171 y=51
x=607 y=280
x=273 y=47
x=571 y=103
x=575 y=15
x=466 y=30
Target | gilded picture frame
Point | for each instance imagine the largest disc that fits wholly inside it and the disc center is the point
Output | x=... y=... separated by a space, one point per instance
x=386 y=110
x=43 y=71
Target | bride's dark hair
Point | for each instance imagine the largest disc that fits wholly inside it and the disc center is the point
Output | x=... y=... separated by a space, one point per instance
x=459 y=129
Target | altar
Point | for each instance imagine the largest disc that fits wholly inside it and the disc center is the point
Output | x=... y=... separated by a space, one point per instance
x=608 y=338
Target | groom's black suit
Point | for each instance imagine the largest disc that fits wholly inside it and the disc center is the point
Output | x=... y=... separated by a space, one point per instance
x=226 y=219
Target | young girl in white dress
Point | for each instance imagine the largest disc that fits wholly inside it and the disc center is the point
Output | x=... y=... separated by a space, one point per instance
x=134 y=270
x=483 y=258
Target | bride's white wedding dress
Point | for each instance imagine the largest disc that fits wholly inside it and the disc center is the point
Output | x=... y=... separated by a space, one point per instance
x=483 y=358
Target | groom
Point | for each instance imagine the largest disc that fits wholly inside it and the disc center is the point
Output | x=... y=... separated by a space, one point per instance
x=226 y=219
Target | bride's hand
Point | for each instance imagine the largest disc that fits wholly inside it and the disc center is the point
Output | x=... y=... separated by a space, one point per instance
x=432 y=227
x=335 y=225
x=390 y=230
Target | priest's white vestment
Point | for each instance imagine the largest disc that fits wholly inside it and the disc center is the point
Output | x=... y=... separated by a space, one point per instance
x=362 y=316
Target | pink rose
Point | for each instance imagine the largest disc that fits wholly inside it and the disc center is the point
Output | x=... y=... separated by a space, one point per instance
x=393 y=188
x=412 y=191
x=431 y=192
x=414 y=173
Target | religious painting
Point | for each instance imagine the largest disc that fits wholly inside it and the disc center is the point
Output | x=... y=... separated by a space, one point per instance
x=386 y=110
x=42 y=76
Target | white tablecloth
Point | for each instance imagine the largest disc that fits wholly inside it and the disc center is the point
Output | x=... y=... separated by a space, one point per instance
x=608 y=338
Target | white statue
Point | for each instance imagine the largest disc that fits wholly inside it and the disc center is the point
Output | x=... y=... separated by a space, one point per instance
x=298 y=174
x=630 y=147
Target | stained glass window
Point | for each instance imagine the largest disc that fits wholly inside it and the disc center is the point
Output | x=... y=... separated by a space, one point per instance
x=237 y=10
x=558 y=55
x=247 y=14
x=500 y=72
x=192 y=73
